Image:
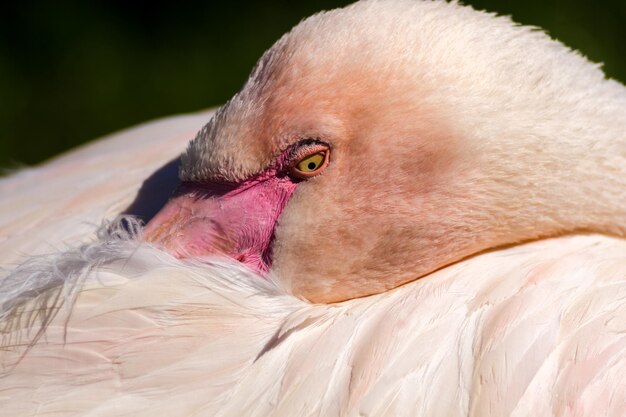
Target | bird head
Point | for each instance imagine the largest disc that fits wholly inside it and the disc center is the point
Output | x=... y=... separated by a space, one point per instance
x=374 y=144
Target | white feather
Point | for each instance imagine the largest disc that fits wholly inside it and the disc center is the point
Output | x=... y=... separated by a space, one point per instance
x=538 y=329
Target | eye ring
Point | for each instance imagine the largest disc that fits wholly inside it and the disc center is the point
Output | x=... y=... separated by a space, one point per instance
x=311 y=161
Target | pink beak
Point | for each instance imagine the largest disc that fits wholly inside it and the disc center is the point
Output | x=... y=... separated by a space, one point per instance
x=237 y=221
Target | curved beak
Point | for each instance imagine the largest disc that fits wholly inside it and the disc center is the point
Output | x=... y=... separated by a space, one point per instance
x=237 y=221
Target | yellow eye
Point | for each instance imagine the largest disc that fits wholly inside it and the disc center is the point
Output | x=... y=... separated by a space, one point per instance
x=311 y=163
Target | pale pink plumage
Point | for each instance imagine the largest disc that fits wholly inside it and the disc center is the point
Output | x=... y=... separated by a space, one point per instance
x=533 y=330
x=107 y=325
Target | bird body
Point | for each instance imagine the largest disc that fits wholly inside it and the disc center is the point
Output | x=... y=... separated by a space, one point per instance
x=536 y=329
x=440 y=142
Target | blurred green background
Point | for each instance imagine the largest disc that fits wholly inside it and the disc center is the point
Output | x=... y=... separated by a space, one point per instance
x=75 y=70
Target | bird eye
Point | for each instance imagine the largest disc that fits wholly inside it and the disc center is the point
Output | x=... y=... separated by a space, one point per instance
x=310 y=165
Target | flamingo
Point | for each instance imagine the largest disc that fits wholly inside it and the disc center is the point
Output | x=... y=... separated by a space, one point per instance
x=411 y=208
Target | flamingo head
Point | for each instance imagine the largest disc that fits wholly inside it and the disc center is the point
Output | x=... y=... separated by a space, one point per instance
x=374 y=144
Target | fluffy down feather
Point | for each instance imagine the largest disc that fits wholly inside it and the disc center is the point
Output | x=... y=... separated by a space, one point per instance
x=538 y=329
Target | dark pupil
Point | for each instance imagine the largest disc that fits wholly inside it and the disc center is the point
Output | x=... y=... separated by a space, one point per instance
x=311 y=165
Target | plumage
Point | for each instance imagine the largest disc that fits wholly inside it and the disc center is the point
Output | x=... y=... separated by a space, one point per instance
x=536 y=329
x=98 y=322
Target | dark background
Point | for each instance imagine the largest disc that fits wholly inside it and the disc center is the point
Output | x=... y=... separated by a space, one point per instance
x=75 y=70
